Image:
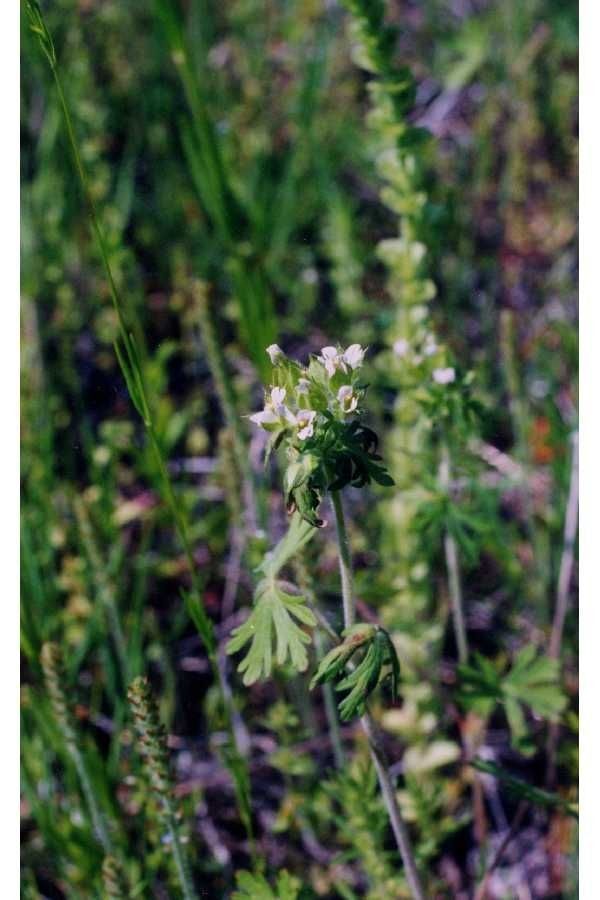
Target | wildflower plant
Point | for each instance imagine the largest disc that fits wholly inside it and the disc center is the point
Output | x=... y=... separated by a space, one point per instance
x=314 y=414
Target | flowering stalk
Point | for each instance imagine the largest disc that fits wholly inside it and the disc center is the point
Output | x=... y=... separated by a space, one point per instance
x=416 y=357
x=153 y=747
x=113 y=879
x=51 y=660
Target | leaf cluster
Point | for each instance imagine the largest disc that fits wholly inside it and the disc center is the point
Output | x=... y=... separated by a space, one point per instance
x=364 y=677
x=532 y=681
x=341 y=454
x=278 y=614
x=252 y=886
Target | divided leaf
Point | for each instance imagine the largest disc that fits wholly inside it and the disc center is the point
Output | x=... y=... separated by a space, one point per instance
x=532 y=681
x=252 y=886
x=275 y=610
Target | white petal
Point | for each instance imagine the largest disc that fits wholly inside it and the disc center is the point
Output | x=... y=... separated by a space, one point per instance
x=277 y=396
x=329 y=353
x=344 y=392
x=287 y=415
x=264 y=417
x=354 y=356
x=400 y=347
x=274 y=352
x=306 y=432
x=444 y=376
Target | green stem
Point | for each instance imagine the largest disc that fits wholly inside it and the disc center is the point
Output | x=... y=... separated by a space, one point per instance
x=453 y=567
x=181 y=863
x=90 y=798
x=345 y=560
x=331 y=712
x=103 y=587
x=377 y=752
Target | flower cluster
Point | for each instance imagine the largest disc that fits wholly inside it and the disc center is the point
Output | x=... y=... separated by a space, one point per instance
x=427 y=356
x=328 y=384
x=314 y=412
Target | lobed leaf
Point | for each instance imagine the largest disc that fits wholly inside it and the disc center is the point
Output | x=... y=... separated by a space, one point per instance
x=273 y=618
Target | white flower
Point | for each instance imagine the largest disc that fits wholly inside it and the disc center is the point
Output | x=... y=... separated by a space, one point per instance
x=275 y=353
x=354 y=356
x=275 y=411
x=347 y=399
x=304 y=423
x=430 y=346
x=303 y=385
x=444 y=376
x=331 y=359
x=400 y=347
x=277 y=397
x=265 y=417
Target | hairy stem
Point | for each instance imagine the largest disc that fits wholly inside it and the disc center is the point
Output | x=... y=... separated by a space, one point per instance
x=377 y=752
x=345 y=560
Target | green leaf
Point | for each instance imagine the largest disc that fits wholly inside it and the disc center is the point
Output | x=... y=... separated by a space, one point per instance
x=362 y=680
x=531 y=682
x=275 y=611
x=525 y=791
x=298 y=534
x=256 y=887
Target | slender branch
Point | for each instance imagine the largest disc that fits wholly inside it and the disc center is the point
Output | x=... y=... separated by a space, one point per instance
x=482 y=890
x=568 y=553
x=345 y=560
x=331 y=713
x=453 y=567
x=377 y=752
x=562 y=592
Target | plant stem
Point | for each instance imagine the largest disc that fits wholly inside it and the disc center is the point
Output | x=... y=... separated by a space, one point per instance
x=568 y=553
x=562 y=592
x=183 y=872
x=345 y=560
x=537 y=584
x=377 y=752
x=102 y=585
x=331 y=711
x=453 y=567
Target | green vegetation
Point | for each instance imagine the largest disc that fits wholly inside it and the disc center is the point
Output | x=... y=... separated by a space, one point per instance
x=299 y=449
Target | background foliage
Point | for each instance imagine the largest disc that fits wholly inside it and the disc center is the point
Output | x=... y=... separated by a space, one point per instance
x=236 y=174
